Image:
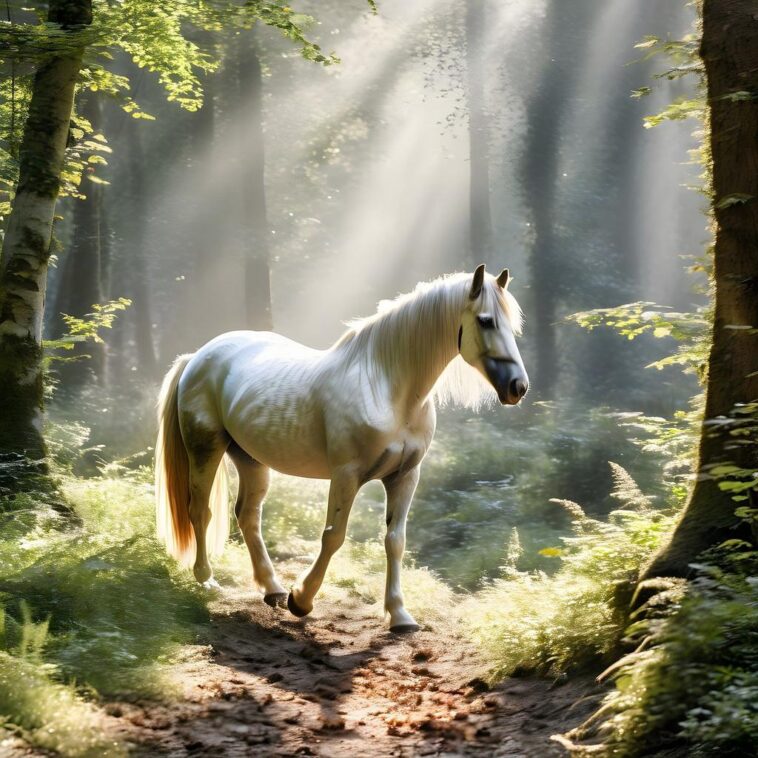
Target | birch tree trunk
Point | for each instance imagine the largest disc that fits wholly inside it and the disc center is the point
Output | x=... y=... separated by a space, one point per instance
x=26 y=247
x=730 y=53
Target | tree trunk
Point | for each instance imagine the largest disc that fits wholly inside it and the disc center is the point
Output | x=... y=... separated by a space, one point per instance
x=729 y=51
x=26 y=247
x=81 y=284
x=539 y=169
x=139 y=292
x=480 y=217
x=253 y=192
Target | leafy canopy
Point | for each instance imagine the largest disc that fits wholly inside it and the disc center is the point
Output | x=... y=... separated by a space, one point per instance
x=162 y=38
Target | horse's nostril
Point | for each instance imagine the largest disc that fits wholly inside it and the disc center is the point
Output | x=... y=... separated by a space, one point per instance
x=519 y=388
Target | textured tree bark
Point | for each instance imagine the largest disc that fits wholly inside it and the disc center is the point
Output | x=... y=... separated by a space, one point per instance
x=729 y=51
x=253 y=192
x=26 y=247
x=480 y=214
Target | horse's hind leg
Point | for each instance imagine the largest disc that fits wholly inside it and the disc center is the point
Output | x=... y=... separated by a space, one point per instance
x=253 y=484
x=205 y=448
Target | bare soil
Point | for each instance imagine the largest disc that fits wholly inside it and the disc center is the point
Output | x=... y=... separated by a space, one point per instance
x=337 y=683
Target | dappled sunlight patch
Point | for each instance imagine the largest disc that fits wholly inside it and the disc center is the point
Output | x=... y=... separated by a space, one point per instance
x=359 y=569
x=115 y=507
x=295 y=509
x=233 y=566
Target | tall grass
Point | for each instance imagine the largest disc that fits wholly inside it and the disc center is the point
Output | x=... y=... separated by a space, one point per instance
x=49 y=714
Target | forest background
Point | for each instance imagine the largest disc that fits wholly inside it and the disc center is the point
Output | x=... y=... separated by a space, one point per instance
x=213 y=179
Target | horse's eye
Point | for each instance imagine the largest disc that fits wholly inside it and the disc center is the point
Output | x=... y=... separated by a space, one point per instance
x=486 y=322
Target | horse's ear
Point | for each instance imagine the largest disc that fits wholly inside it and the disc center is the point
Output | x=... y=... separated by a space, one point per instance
x=478 y=283
x=502 y=280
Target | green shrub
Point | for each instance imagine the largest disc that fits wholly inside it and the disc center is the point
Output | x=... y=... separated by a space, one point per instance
x=692 y=685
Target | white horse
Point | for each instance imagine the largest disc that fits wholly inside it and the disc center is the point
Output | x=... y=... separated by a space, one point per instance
x=361 y=410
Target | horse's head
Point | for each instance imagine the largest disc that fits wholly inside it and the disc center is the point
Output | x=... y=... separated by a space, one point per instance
x=487 y=335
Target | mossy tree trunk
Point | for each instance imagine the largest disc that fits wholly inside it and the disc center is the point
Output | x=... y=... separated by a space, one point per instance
x=730 y=53
x=253 y=191
x=26 y=247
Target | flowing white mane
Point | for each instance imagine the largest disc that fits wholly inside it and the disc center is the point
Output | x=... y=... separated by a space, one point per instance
x=417 y=333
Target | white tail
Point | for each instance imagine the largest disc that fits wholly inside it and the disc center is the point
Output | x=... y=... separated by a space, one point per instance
x=172 y=485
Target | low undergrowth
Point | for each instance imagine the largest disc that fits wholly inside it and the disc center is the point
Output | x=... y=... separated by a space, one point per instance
x=553 y=623
x=47 y=713
x=691 y=686
x=90 y=609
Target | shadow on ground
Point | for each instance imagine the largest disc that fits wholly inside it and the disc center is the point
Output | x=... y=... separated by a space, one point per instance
x=337 y=684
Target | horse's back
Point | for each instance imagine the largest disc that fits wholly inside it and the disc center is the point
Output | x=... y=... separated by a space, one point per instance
x=261 y=387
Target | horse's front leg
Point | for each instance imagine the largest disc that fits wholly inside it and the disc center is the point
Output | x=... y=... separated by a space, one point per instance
x=342 y=492
x=400 y=489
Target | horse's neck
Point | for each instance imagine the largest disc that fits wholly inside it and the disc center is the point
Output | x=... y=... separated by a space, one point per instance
x=416 y=350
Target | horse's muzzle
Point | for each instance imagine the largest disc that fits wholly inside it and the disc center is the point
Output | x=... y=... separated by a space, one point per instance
x=508 y=379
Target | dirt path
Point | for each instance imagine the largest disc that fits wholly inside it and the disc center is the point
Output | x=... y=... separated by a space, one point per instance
x=337 y=684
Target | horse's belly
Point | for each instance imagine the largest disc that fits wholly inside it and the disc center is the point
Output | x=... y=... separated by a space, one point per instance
x=293 y=460
x=287 y=439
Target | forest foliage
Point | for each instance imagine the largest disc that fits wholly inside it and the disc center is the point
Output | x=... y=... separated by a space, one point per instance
x=174 y=41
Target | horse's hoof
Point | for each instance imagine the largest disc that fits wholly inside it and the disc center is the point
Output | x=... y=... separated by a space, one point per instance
x=211 y=584
x=404 y=628
x=203 y=574
x=276 y=599
x=294 y=608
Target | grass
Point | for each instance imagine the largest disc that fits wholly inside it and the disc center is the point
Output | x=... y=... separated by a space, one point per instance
x=49 y=714
x=106 y=587
x=89 y=610
x=553 y=623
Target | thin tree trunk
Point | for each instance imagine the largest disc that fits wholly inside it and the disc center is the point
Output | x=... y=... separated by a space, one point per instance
x=480 y=216
x=81 y=283
x=539 y=171
x=142 y=310
x=730 y=52
x=253 y=195
x=26 y=247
